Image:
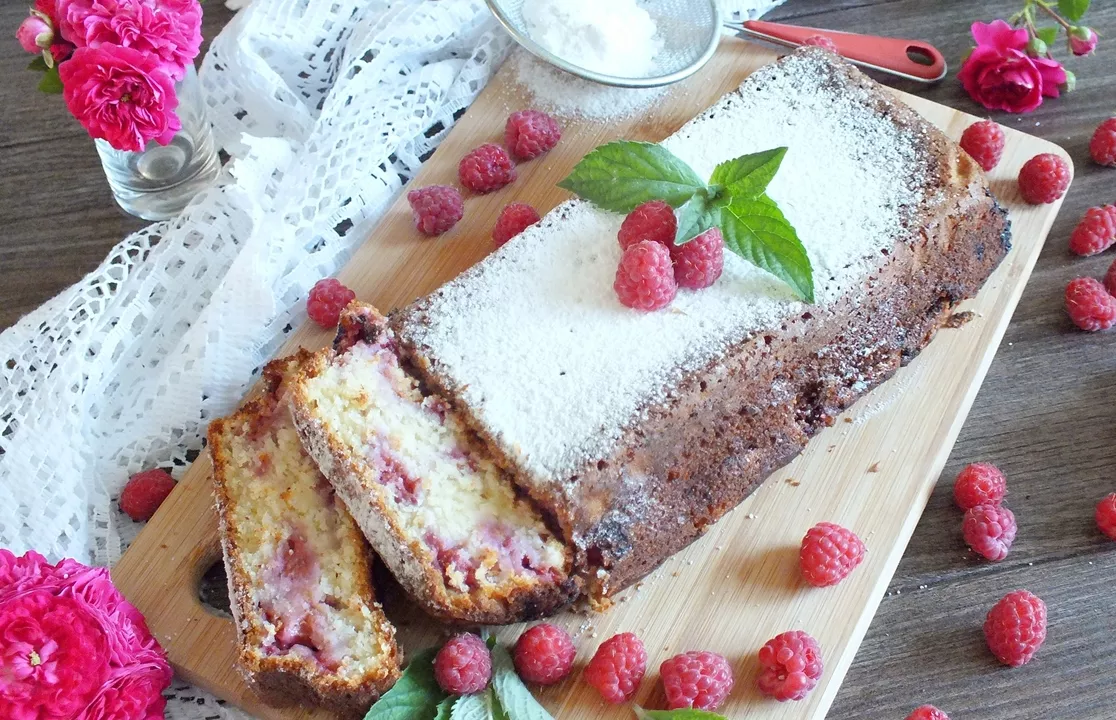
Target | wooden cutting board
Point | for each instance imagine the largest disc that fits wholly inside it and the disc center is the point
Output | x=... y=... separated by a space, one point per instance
x=738 y=586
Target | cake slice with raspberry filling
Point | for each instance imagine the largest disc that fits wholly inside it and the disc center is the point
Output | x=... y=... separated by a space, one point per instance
x=299 y=569
x=444 y=517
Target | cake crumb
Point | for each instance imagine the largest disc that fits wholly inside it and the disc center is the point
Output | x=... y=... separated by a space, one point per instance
x=874 y=467
x=795 y=483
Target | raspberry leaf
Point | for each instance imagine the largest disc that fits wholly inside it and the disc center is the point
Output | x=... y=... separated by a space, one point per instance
x=695 y=217
x=415 y=696
x=747 y=176
x=620 y=175
x=680 y=714
x=512 y=695
x=757 y=231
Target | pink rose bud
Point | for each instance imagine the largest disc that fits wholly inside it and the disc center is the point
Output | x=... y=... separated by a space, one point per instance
x=34 y=34
x=1070 y=84
x=1082 y=40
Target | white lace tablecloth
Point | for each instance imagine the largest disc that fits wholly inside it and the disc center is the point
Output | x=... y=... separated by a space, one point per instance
x=327 y=108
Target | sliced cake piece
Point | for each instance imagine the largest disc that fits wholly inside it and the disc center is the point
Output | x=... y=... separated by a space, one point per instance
x=299 y=569
x=446 y=519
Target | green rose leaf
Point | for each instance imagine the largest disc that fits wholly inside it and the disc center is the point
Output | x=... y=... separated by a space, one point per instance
x=1073 y=10
x=696 y=216
x=681 y=714
x=512 y=695
x=620 y=175
x=757 y=231
x=445 y=709
x=38 y=64
x=51 y=83
x=747 y=176
x=415 y=696
x=1048 y=35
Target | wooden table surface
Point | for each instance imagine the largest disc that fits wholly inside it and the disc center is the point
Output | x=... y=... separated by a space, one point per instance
x=1045 y=414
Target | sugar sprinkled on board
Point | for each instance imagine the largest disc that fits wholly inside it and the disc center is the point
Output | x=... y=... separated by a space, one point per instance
x=568 y=96
x=615 y=37
x=554 y=368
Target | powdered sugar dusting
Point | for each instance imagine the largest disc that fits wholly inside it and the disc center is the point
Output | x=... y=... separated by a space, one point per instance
x=536 y=343
x=568 y=96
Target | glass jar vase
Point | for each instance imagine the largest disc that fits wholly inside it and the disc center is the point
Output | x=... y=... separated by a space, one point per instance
x=157 y=182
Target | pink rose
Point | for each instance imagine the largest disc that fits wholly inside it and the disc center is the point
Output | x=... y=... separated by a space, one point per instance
x=170 y=29
x=121 y=95
x=1000 y=75
x=53 y=658
x=1082 y=40
x=133 y=695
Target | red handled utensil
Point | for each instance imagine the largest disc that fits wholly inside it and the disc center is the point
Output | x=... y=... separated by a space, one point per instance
x=910 y=59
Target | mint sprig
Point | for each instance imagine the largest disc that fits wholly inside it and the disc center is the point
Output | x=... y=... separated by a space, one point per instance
x=415 y=696
x=620 y=175
x=513 y=696
x=680 y=714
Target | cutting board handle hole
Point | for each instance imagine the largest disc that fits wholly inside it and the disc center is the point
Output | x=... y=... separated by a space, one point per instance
x=213 y=590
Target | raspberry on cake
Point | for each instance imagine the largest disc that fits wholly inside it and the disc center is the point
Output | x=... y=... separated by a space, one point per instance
x=299 y=570
x=444 y=517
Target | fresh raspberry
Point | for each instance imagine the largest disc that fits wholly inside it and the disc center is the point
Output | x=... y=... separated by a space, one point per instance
x=927 y=712
x=617 y=667
x=699 y=680
x=145 y=492
x=1089 y=305
x=989 y=530
x=821 y=41
x=514 y=219
x=530 y=133
x=652 y=220
x=1015 y=627
x=1102 y=146
x=1043 y=179
x=790 y=665
x=698 y=263
x=463 y=666
x=436 y=208
x=486 y=168
x=1095 y=233
x=984 y=141
x=645 y=277
x=1106 y=515
x=1110 y=279
x=327 y=299
x=544 y=654
x=979 y=484
x=828 y=554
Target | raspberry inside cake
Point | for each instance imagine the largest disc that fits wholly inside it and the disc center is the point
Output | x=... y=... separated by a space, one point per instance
x=299 y=568
x=445 y=517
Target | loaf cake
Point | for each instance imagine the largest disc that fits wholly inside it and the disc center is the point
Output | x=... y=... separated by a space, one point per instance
x=446 y=520
x=633 y=432
x=299 y=569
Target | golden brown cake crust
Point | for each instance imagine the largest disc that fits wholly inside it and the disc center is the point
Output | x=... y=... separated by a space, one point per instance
x=409 y=561
x=726 y=427
x=285 y=679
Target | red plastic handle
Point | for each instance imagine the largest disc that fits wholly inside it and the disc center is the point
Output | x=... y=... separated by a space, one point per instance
x=893 y=55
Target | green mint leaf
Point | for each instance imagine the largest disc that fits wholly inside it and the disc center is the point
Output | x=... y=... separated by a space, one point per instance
x=620 y=175
x=38 y=64
x=51 y=83
x=513 y=696
x=696 y=216
x=757 y=231
x=1048 y=35
x=1073 y=10
x=681 y=714
x=748 y=176
x=445 y=708
x=415 y=696
x=477 y=706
